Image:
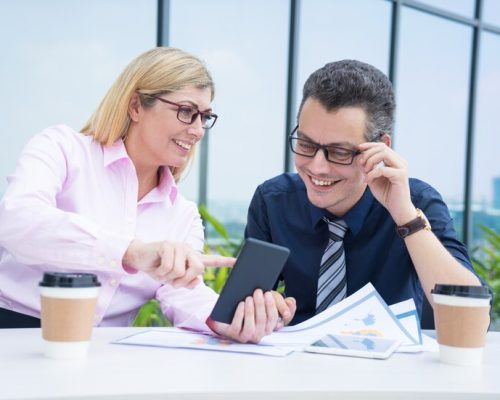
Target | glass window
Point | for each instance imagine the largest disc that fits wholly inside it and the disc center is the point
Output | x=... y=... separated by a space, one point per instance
x=245 y=47
x=491 y=12
x=432 y=97
x=486 y=167
x=463 y=7
x=59 y=58
x=332 y=30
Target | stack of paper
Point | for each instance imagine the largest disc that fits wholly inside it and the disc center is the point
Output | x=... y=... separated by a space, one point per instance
x=363 y=313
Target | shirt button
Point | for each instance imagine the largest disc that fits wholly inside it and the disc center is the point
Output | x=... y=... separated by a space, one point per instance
x=113 y=282
x=113 y=263
x=130 y=221
x=100 y=261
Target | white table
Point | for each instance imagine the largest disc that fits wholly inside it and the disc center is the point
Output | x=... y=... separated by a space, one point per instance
x=128 y=372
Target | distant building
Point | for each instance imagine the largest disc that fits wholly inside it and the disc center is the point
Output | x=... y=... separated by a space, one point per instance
x=496 y=193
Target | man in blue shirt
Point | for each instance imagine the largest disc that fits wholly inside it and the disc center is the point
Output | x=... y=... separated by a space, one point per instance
x=398 y=231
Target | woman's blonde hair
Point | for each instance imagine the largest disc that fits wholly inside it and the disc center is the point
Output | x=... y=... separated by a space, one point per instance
x=158 y=71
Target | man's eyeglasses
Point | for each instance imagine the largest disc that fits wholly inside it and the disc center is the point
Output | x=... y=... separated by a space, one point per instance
x=334 y=154
x=188 y=114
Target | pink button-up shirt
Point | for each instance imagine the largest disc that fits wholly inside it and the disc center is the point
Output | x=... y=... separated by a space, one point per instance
x=71 y=205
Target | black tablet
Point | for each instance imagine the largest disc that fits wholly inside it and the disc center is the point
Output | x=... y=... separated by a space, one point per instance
x=258 y=266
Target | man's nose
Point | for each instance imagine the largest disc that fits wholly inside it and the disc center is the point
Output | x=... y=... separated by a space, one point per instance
x=320 y=162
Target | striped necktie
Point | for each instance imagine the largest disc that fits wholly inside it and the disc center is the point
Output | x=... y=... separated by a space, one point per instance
x=332 y=281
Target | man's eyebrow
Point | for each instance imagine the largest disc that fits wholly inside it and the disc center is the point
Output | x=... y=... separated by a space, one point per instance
x=346 y=145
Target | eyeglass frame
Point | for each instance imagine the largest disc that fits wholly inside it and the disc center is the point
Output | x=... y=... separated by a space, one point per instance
x=181 y=106
x=323 y=147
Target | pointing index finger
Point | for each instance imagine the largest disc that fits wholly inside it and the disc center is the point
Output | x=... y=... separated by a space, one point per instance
x=213 y=260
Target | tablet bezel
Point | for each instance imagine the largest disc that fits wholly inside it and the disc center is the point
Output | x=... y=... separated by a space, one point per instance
x=393 y=345
x=258 y=265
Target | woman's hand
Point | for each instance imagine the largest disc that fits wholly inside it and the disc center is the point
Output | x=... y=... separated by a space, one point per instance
x=169 y=262
x=255 y=317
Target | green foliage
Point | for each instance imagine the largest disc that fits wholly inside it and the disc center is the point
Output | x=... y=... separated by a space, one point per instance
x=150 y=314
x=486 y=261
x=216 y=224
x=225 y=246
x=281 y=288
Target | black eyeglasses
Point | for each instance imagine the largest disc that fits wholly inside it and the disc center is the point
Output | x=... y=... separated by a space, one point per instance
x=188 y=114
x=334 y=154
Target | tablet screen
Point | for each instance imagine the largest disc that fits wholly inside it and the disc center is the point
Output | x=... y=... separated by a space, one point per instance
x=351 y=342
x=357 y=346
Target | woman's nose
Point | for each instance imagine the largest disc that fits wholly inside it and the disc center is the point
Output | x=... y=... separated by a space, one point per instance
x=196 y=128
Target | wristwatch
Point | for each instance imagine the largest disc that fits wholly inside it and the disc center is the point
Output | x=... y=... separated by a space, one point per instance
x=415 y=225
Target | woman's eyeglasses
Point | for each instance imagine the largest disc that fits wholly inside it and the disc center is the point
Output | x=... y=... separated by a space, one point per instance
x=188 y=114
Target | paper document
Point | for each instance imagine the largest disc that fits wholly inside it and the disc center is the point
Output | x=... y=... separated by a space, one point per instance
x=362 y=313
x=177 y=338
x=406 y=313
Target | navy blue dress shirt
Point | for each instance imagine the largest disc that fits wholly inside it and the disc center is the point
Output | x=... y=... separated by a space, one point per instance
x=281 y=213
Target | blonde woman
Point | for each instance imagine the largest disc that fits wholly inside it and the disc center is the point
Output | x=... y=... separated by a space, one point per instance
x=105 y=200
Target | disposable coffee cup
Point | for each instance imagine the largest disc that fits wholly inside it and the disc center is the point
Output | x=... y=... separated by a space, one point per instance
x=68 y=303
x=461 y=316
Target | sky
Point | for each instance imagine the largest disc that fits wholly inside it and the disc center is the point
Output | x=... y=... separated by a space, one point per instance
x=60 y=56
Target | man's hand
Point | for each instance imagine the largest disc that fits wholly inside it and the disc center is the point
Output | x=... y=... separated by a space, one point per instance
x=169 y=262
x=386 y=174
x=286 y=309
x=256 y=317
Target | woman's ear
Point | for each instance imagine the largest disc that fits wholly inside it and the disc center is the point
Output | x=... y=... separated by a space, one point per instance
x=134 y=106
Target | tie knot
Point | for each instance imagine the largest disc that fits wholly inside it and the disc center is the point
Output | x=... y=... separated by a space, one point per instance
x=337 y=229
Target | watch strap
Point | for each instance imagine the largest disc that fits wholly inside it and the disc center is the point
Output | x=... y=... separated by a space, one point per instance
x=415 y=225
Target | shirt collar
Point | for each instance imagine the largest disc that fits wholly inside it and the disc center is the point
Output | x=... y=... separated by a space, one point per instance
x=113 y=153
x=354 y=218
x=166 y=186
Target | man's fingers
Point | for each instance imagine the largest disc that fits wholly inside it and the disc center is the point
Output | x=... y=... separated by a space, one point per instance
x=286 y=308
x=271 y=313
x=213 y=260
x=292 y=307
x=248 y=330
x=233 y=331
x=261 y=317
x=281 y=305
x=392 y=174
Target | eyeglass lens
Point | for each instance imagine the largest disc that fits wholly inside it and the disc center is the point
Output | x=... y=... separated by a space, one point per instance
x=189 y=114
x=334 y=154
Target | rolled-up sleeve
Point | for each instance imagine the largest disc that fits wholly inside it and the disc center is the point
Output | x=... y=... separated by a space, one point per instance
x=187 y=308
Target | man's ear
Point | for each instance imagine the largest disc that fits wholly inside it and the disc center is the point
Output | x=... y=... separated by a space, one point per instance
x=134 y=106
x=386 y=138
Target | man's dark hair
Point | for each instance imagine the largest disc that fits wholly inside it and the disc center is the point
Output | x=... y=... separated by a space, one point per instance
x=351 y=83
